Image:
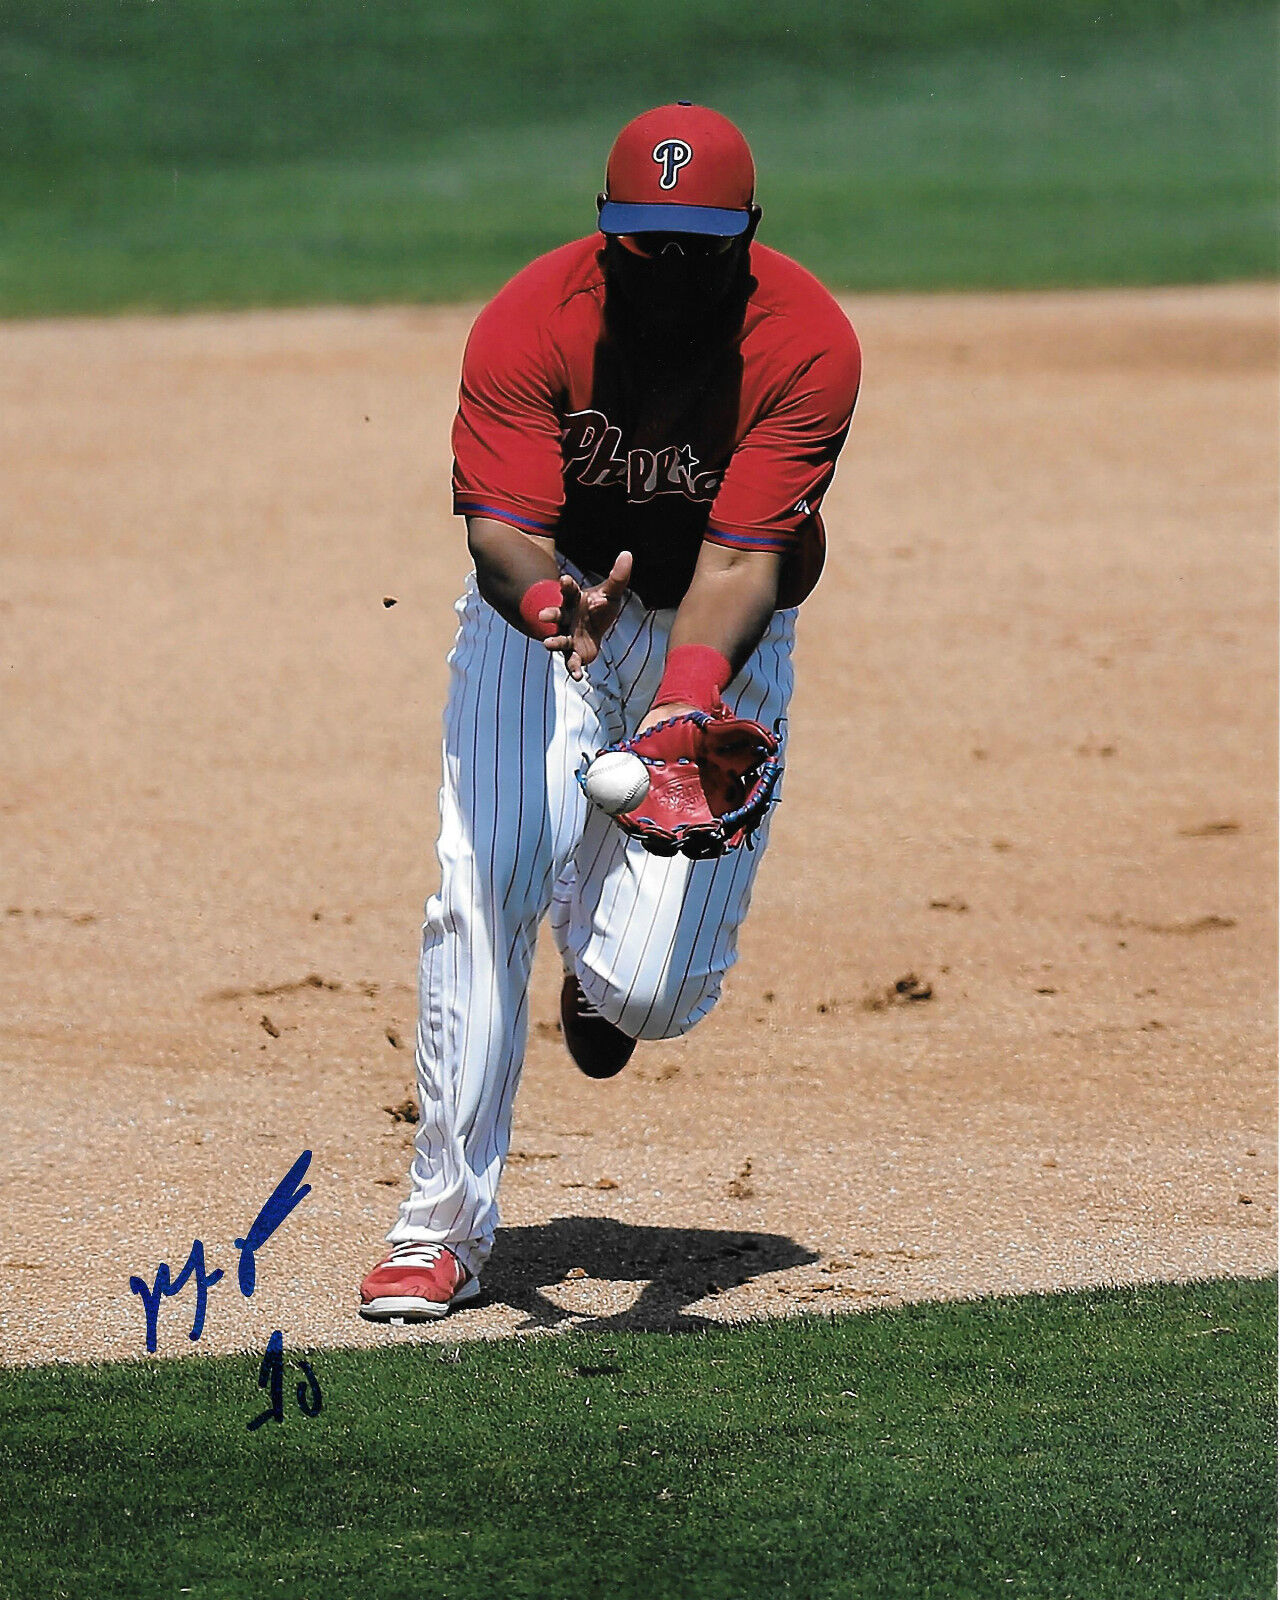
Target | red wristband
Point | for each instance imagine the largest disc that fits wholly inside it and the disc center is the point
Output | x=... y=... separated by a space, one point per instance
x=537 y=597
x=694 y=674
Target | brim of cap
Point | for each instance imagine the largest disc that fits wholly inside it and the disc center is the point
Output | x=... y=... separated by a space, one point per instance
x=616 y=216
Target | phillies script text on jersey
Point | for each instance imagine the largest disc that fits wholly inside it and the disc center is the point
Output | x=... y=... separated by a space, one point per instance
x=557 y=432
x=592 y=456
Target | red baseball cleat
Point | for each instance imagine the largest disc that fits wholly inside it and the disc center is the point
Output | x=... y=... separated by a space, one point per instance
x=599 y=1049
x=417 y=1282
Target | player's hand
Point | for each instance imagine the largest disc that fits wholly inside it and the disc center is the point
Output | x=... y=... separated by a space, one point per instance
x=586 y=615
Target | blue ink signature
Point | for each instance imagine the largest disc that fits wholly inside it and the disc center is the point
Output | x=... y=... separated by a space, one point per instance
x=285 y=1196
x=166 y=1285
x=288 y=1193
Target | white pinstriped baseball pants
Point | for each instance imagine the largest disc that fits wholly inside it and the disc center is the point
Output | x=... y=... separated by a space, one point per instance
x=649 y=937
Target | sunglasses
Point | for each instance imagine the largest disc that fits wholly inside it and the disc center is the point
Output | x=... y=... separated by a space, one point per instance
x=692 y=246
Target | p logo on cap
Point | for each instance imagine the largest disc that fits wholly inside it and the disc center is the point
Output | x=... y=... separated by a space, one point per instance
x=671 y=155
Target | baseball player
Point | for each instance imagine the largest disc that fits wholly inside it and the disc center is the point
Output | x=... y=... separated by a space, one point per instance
x=648 y=421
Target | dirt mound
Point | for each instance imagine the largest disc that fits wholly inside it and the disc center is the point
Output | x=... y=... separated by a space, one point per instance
x=1004 y=1015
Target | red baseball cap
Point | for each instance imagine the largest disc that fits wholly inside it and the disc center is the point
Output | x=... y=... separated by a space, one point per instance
x=679 y=169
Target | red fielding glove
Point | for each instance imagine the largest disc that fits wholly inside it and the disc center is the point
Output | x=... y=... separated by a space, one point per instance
x=711 y=781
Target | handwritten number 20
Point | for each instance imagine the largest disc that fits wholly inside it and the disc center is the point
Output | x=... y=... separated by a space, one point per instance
x=271 y=1378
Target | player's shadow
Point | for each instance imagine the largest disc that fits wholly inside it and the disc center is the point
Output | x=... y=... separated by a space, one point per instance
x=677 y=1266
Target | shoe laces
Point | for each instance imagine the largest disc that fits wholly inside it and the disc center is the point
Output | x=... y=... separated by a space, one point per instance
x=582 y=1006
x=416 y=1253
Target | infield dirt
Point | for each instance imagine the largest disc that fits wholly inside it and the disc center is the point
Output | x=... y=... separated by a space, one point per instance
x=1004 y=1018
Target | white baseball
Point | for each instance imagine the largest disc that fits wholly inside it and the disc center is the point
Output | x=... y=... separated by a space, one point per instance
x=617 y=781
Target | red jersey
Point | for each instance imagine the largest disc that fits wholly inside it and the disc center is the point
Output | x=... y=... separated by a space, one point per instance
x=556 y=434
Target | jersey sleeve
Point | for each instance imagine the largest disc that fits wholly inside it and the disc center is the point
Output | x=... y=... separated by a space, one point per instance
x=506 y=436
x=780 y=470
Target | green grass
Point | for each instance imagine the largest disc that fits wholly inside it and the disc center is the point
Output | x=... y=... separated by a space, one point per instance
x=217 y=80
x=281 y=154
x=1093 y=1445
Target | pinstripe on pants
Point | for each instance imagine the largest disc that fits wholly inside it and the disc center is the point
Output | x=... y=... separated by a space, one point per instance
x=649 y=937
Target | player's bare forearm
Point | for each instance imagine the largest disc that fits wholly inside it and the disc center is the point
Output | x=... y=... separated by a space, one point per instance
x=508 y=563
x=729 y=603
